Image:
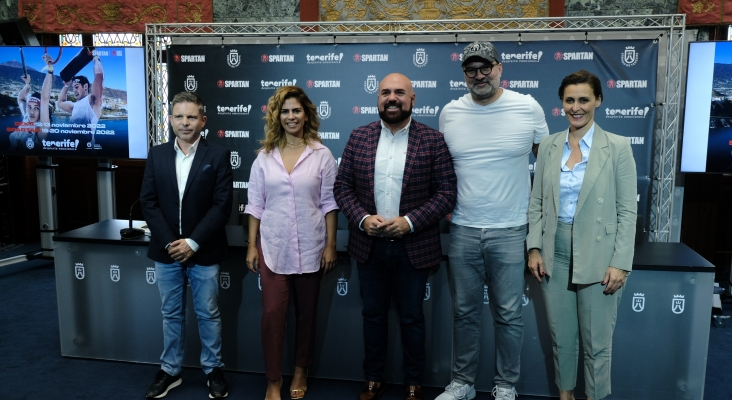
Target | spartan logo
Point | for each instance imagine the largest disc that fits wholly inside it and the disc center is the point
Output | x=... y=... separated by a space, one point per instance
x=114 y=273
x=420 y=58
x=29 y=144
x=342 y=286
x=79 y=270
x=639 y=302
x=235 y=160
x=370 y=85
x=150 y=275
x=629 y=57
x=191 y=83
x=324 y=110
x=224 y=280
x=486 y=300
x=427 y=291
x=677 y=304
x=233 y=59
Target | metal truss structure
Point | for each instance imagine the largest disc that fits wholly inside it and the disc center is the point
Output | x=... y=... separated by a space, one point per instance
x=667 y=29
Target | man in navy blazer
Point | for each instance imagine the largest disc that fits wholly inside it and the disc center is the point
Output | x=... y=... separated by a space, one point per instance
x=186 y=200
x=395 y=182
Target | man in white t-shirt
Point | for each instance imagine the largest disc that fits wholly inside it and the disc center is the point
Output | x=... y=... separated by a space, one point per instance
x=489 y=132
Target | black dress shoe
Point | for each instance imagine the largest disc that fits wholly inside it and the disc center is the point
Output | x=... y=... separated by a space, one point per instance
x=162 y=384
x=372 y=390
x=414 y=392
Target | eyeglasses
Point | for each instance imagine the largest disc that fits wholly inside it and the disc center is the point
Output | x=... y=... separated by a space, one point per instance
x=485 y=69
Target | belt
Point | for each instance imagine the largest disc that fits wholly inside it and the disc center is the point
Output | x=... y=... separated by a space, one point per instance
x=388 y=239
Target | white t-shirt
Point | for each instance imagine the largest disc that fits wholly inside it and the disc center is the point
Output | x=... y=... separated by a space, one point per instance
x=490 y=148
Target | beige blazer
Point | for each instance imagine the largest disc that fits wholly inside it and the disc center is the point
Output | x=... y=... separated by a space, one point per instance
x=603 y=234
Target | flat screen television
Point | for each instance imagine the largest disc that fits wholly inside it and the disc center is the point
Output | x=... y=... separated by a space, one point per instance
x=707 y=134
x=91 y=105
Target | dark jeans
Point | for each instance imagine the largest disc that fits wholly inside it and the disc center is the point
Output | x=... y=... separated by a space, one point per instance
x=388 y=275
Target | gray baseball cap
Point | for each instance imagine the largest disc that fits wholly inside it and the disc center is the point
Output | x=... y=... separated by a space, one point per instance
x=484 y=50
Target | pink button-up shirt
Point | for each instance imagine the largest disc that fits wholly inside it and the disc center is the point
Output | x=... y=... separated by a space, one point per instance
x=292 y=207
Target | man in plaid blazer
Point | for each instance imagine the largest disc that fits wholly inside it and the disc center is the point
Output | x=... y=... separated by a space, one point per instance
x=395 y=182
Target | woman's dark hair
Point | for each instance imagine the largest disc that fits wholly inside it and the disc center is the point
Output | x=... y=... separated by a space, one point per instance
x=579 y=77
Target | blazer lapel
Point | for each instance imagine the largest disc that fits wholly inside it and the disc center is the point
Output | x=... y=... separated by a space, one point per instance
x=196 y=165
x=169 y=164
x=599 y=153
x=413 y=142
x=371 y=144
x=555 y=166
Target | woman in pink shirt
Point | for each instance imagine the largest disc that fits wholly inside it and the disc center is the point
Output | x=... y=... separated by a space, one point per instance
x=292 y=229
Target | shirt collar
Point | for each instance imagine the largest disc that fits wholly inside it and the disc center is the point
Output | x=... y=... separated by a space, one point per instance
x=191 y=150
x=404 y=130
x=587 y=139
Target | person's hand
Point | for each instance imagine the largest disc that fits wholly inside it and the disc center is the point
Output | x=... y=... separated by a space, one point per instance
x=26 y=79
x=48 y=59
x=371 y=225
x=330 y=258
x=395 y=227
x=97 y=65
x=253 y=258
x=180 y=251
x=614 y=280
x=536 y=264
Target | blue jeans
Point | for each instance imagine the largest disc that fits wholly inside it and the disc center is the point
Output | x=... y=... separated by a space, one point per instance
x=172 y=281
x=387 y=275
x=495 y=257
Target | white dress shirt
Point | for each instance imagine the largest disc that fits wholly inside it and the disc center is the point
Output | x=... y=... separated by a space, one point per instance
x=183 y=164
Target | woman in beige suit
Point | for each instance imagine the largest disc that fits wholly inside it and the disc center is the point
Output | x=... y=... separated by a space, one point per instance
x=582 y=217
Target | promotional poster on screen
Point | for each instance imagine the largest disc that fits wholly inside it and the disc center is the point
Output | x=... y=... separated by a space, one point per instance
x=73 y=101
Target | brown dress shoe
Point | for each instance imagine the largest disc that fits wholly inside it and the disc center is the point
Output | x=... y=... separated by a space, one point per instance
x=372 y=390
x=414 y=392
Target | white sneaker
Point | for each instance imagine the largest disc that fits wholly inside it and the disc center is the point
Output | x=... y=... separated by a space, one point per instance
x=457 y=391
x=504 y=394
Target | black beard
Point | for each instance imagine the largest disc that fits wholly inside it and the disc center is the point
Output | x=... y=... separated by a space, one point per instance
x=402 y=116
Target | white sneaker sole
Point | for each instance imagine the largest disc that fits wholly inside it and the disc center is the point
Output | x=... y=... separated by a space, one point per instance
x=171 y=386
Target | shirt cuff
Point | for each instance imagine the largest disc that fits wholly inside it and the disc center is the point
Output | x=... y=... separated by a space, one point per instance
x=192 y=244
x=360 y=224
x=411 y=226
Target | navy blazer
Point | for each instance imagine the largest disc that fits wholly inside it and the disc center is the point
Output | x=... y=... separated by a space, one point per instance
x=206 y=202
x=429 y=190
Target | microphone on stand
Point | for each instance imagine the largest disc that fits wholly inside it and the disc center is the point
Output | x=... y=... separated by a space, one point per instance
x=132 y=233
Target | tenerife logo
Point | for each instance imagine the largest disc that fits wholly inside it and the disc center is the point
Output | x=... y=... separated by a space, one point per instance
x=456 y=57
x=233 y=59
x=426 y=111
x=427 y=291
x=241 y=185
x=330 y=58
x=627 y=84
x=114 y=273
x=574 y=56
x=420 y=58
x=29 y=144
x=191 y=84
x=520 y=84
x=278 y=58
x=234 y=110
x=365 y=110
x=232 y=84
x=528 y=56
x=324 y=110
x=65 y=144
x=424 y=84
x=276 y=84
x=342 y=286
x=629 y=57
x=204 y=133
x=323 y=84
x=150 y=275
x=525 y=297
x=193 y=58
x=235 y=160
x=232 y=134
x=371 y=57
x=329 y=135
x=486 y=299
x=677 y=304
x=370 y=85
x=224 y=280
x=639 y=302
x=458 y=85
x=79 y=270
x=633 y=112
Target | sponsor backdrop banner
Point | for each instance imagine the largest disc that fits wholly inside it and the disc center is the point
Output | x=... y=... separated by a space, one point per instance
x=342 y=81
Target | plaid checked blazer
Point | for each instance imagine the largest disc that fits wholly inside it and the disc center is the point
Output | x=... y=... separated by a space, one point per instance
x=429 y=190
